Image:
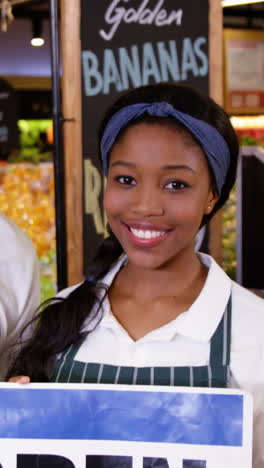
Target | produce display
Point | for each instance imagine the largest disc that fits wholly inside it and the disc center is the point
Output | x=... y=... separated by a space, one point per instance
x=27 y=197
x=249 y=129
x=35 y=141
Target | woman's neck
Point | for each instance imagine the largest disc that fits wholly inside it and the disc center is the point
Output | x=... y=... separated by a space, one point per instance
x=172 y=279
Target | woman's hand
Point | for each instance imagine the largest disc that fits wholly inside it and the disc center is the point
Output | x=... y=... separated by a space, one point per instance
x=21 y=379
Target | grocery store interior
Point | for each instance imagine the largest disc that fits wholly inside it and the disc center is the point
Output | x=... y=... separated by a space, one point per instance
x=26 y=164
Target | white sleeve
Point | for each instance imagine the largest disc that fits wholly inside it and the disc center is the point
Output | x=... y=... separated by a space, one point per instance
x=258 y=429
x=19 y=286
x=247 y=358
x=252 y=361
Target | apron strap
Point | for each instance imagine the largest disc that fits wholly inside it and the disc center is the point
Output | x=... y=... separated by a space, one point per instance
x=221 y=339
x=63 y=364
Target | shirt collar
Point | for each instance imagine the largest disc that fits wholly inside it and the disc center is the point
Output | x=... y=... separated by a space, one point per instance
x=204 y=315
x=108 y=319
x=201 y=320
x=109 y=277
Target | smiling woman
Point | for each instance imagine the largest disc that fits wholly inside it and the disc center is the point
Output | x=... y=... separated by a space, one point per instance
x=152 y=311
x=157 y=201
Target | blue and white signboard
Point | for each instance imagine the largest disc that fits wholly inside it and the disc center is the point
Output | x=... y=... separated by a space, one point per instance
x=118 y=426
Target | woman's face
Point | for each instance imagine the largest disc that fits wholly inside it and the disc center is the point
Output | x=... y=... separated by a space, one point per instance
x=158 y=190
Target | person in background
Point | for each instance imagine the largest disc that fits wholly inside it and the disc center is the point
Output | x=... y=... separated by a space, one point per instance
x=19 y=287
x=152 y=310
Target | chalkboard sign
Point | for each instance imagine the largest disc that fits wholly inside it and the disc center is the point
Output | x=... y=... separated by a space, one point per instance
x=126 y=44
x=8 y=120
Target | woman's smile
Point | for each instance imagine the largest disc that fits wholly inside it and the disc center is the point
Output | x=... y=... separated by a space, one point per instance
x=146 y=236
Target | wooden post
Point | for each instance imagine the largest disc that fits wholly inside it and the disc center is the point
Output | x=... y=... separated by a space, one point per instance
x=71 y=108
x=216 y=92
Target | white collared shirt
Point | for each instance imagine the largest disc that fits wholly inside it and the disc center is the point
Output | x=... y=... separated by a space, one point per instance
x=19 y=286
x=185 y=341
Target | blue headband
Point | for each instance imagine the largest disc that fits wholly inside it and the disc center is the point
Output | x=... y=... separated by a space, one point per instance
x=212 y=143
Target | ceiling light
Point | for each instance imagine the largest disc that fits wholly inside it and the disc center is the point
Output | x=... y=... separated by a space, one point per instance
x=37 y=39
x=227 y=3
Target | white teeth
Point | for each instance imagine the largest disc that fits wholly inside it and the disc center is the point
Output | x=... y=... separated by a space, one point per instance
x=147 y=234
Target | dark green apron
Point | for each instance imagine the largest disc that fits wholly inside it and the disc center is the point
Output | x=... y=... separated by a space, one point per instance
x=216 y=374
